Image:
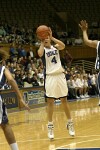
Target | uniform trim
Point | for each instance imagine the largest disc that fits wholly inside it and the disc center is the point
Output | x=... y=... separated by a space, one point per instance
x=56 y=98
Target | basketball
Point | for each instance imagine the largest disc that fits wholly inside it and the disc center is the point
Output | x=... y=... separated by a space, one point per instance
x=42 y=32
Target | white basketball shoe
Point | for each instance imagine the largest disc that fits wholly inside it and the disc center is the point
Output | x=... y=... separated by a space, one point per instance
x=50 y=131
x=70 y=128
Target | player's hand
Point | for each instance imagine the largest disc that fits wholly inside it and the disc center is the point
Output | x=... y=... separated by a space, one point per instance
x=50 y=33
x=83 y=25
x=23 y=104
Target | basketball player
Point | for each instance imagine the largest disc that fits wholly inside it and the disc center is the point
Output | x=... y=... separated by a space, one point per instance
x=92 y=43
x=4 y=123
x=55 y=81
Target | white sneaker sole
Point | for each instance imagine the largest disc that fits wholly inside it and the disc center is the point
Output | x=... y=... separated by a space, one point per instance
x=51 y=138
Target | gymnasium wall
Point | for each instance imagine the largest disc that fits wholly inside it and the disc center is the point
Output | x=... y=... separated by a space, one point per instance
x=77 y=52
x=33 y=96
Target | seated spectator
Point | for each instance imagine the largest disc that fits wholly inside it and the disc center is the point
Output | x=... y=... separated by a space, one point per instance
x=31 y=80
x=35 y=82
x=30 y=53
x=78 y=41
x=41 y=82
x=21 y=51
x=11 y=68
x=40 y=74
x=2 y=31
x=78 y=85
x=68 y=74
x=13 y=52
x=95 y=24
x=18 y=79
x=94 y=84
x=71 y=88
x=85 y=86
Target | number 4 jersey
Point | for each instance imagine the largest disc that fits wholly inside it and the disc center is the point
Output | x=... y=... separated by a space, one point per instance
x=52 y=61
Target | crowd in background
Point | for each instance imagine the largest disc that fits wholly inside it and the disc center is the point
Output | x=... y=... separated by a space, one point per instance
x=28 y=71
x=81 y=84
x=10 y=33
x=23 y=35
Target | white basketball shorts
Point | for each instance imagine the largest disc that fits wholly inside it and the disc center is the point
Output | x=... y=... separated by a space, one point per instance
x=56 y=86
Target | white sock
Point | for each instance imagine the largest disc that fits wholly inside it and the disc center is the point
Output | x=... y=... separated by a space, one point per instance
x=14 y=146
x=50 y=122
x=70 y=120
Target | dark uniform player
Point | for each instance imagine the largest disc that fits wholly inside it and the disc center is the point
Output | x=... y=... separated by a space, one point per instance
x=92 y=43
x=4 y=123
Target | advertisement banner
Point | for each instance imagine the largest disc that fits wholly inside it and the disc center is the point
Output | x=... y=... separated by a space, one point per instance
x=10 y=99
x=34 y=97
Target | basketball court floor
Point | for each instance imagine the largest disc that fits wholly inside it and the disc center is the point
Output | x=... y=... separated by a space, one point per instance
x=31 y=128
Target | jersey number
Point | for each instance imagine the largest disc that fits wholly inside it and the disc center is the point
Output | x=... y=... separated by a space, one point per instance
x=54 y=60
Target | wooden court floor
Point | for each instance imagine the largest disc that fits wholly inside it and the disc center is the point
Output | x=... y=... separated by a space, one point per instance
x=31 y=128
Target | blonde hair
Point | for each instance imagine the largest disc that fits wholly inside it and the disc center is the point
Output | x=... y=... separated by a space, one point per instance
x=4 y=55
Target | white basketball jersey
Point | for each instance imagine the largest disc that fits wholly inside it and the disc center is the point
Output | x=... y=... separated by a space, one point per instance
x=52 y=60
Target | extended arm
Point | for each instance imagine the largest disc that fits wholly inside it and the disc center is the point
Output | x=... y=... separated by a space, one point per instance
x=84 y=26
x=58 y=44
x=41 y=49
x=15 y=87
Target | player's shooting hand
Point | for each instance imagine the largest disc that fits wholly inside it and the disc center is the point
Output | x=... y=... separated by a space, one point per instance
x=50 y=33
x=83 y=25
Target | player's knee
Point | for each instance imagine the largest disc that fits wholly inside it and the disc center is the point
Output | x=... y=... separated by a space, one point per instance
x=4 y=126
x=50 y=102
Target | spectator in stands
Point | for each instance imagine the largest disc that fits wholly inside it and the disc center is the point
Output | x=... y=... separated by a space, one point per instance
x=30 y=53
x=94 y=84
x=18 y=79
x=13 y=52
x=11 y=68
x=2 y=31
x=21 y=51
x=93 y=35
x=41 y=82
x=75 y=85
x=22 y=74
x=31 y=80
x=35 y=62
x=80 y=84
x=71 y=89
x=85 y=86
x=78 y=41
x=67 y=73
x=4 y=122
x=40 y=73
x=35 y=80
x=92 y=43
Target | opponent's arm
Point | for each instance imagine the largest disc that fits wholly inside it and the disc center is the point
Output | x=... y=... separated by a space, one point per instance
x=84 y=26
x=14 y=85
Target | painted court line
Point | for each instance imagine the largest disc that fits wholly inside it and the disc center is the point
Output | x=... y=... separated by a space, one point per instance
x=77 y=143
x=46 y=139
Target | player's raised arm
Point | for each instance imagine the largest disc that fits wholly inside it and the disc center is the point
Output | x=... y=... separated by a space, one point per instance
x=84 y=27
x=58 y=44
x=41 y=49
